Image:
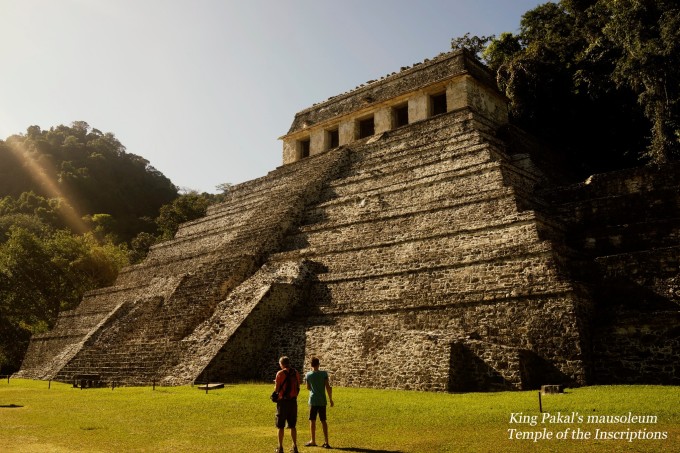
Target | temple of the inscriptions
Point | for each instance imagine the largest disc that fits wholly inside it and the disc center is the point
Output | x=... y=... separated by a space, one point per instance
x=412 y=238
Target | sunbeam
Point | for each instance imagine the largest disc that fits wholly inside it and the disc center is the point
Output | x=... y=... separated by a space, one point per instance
x=42 y=179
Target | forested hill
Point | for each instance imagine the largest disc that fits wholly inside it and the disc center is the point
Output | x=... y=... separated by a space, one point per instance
x=75 y=208
x=89 y=170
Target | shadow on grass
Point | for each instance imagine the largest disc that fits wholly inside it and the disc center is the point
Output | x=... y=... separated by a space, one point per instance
x=365 y=450
x=9 y=406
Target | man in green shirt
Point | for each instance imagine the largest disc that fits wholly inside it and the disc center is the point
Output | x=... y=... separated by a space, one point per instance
x=317 y=382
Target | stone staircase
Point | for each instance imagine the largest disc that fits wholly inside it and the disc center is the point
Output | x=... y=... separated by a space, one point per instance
x=226 y=344
x=132 y=333
x=421 y=242
x=48 y=353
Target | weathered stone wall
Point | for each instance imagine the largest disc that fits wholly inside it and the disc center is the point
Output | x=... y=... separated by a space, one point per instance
x=364 y=347
x=627 y=224
x=416 y=257
x=480 y=365
x=634 y=348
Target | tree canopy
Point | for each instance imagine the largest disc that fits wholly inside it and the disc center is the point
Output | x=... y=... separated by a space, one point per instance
x=71 y=198
x=600 y=78
x=75 y=208
x=90 y=172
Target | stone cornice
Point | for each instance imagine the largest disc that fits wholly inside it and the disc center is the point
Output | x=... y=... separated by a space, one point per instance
x=409 y=79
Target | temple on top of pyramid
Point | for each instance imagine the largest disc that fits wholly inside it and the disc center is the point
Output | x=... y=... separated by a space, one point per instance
x=446 y=83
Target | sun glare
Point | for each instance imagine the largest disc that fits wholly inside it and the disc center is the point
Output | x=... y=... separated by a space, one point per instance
x=42 y=179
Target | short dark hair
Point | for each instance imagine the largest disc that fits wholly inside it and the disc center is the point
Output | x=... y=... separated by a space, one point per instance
x=285 y=361
x=315 y=361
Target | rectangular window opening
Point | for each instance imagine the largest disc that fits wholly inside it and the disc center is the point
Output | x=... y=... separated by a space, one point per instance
x=333 y=139
x=438 y=103
x=366 y=127
x=304 y=148
x=400 y=115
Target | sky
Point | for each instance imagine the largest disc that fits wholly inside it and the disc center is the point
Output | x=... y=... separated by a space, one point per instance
x=203 y=89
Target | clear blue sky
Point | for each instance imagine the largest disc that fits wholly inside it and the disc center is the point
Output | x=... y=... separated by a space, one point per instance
x=204 y=88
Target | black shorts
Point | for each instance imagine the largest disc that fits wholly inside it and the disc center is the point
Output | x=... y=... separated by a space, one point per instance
x=286 y=411
x=321 y=410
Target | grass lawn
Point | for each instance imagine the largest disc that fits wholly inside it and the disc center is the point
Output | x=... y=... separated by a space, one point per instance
x=240 y=418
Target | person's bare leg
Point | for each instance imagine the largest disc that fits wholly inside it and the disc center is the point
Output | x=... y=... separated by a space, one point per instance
x=312 y=428
x=324 y=425
x=280 y=437
x=293 y=435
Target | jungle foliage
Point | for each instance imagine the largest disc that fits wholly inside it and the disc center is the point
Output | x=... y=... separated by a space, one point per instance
x=75 y=208
x=89 y=170
x=599 y=78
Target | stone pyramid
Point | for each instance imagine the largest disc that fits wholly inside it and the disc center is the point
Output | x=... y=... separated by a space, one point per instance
x=411 y=239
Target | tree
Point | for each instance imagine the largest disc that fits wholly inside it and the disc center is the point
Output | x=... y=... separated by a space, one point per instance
x=646 y=35
x=224 y=187
x=140 y=245
x=102 y=225
x=500 y=51
x=186 y=207
x=89 y=169
x=47 y=210
x=474 y=44
x=572 y=81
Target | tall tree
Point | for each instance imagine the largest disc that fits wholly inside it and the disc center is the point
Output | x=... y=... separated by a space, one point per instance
x=572 y=79
x=646 y=34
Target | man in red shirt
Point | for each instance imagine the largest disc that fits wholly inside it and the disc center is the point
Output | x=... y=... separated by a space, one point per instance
x=288 y=386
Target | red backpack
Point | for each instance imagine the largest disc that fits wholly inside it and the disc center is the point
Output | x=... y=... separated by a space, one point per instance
x=290 y=374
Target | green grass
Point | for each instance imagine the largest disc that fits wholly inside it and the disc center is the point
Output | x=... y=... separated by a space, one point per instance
x=240 y=418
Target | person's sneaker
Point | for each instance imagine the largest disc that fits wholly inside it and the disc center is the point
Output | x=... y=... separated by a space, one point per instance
x=326 y=445
x=294 y=450
x=278 y=450
x=310 y=444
